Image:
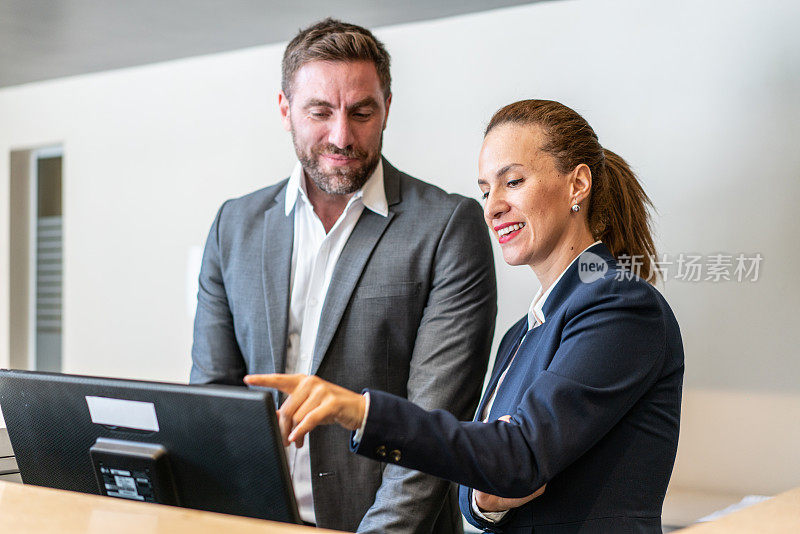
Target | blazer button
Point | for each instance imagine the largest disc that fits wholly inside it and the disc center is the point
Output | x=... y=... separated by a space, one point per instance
x=395 y=455
x=380 y=452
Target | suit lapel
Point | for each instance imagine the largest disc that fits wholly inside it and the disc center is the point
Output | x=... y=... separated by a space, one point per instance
x=277 y=263
x=351 y=263
x=354 y=257
x=508 y=352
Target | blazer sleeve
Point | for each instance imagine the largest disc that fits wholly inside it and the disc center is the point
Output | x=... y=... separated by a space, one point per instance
x=216 y=358
x=611 y=351
x=448 y=362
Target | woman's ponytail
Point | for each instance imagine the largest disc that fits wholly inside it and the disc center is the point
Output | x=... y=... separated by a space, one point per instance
x=619 y=215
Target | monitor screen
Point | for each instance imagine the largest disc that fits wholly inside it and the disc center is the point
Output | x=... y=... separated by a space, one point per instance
x=214 y=448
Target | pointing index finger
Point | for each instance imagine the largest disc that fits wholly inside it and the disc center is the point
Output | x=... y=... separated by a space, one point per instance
x=284 y=383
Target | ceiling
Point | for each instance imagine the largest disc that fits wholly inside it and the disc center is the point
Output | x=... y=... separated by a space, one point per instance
x=45 y=39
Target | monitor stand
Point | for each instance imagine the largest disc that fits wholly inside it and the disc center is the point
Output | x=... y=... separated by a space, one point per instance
x=133 y=470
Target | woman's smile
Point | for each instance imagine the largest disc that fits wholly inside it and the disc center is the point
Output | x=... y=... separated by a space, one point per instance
x=508 y=231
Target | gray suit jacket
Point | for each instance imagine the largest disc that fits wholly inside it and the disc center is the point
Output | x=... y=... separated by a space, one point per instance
x=410 y=310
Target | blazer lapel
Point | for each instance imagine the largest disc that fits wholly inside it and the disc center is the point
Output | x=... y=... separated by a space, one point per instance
x=356 y=252
x=498 y=370
x=277 y=263
x=351 y=263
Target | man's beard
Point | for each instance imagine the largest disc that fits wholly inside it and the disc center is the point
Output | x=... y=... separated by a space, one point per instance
x=342 y=181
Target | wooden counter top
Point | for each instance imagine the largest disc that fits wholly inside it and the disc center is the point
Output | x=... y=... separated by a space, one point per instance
x=778 y=515
x=32 y=509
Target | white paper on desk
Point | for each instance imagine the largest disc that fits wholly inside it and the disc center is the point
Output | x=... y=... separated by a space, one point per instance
x=124 y=413
x=748 y=500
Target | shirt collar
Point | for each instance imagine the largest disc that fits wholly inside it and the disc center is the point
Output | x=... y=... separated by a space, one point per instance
x=372 y=194
x=535 y=313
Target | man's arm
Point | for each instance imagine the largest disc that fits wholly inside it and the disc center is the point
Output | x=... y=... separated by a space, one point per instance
x=216 y=358
x=447 y=365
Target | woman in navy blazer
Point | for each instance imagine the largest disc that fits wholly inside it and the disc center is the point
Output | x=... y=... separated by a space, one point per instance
x=578 y=427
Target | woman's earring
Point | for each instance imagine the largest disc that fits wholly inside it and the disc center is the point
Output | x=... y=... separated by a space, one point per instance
x=576 y=208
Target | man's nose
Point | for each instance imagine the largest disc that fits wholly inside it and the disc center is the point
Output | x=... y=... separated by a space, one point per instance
x=341 y=133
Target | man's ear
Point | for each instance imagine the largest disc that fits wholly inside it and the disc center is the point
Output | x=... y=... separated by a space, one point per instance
x=284 y=107
x=386 y=116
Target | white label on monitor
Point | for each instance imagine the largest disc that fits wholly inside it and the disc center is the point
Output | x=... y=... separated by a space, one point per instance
x=124 y=413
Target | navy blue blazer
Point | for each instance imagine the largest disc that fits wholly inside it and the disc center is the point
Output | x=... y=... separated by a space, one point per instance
x=594 y=394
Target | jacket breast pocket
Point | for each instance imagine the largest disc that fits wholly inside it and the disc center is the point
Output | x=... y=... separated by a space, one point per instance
x=374 y=291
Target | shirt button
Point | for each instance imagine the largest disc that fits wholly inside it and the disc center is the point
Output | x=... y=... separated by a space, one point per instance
x=312 y=302
x=380 y=452
x=395 y=455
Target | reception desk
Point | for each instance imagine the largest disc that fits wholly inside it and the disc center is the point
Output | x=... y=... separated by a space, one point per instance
x=778 y=515
x=35 y=510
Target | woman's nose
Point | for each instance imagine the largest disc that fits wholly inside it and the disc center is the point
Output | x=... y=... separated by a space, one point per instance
x=494 y=207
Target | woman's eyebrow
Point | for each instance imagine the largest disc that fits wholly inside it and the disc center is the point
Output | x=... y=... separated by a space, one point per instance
x=500 y=173
x=507 y=168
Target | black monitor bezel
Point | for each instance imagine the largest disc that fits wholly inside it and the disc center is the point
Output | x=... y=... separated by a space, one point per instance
x=29 y=423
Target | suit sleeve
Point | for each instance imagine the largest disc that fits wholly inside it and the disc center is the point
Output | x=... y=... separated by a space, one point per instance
x=216 y=358
x=447 y=365
x=611 y=352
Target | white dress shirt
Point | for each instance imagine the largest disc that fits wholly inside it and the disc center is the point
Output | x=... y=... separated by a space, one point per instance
x=535 y=318
x=314 y=257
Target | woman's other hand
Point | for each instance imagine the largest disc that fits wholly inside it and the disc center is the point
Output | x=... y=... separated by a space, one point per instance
x=312 y=402
x=492 y=503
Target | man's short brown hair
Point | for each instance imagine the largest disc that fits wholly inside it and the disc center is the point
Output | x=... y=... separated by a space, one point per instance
x=334 y=40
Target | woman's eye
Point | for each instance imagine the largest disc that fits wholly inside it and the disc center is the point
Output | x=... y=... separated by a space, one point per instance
x=514 y=183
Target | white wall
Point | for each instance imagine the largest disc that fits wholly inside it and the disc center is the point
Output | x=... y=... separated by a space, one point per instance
x=701 y=97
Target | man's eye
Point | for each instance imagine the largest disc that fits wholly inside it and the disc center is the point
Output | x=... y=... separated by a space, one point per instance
x=485 y=195
x=318 y=114
x=362 y=116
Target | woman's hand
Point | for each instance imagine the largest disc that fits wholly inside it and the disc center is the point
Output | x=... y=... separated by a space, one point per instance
x=492 y=503
x=312 y=402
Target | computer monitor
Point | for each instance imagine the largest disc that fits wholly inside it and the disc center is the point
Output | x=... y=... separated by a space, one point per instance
x=214 y=448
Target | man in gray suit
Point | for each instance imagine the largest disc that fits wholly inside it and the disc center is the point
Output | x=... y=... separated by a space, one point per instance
x=356 y=272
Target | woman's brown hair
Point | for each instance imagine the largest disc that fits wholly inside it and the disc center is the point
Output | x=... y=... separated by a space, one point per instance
x=618 y=211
